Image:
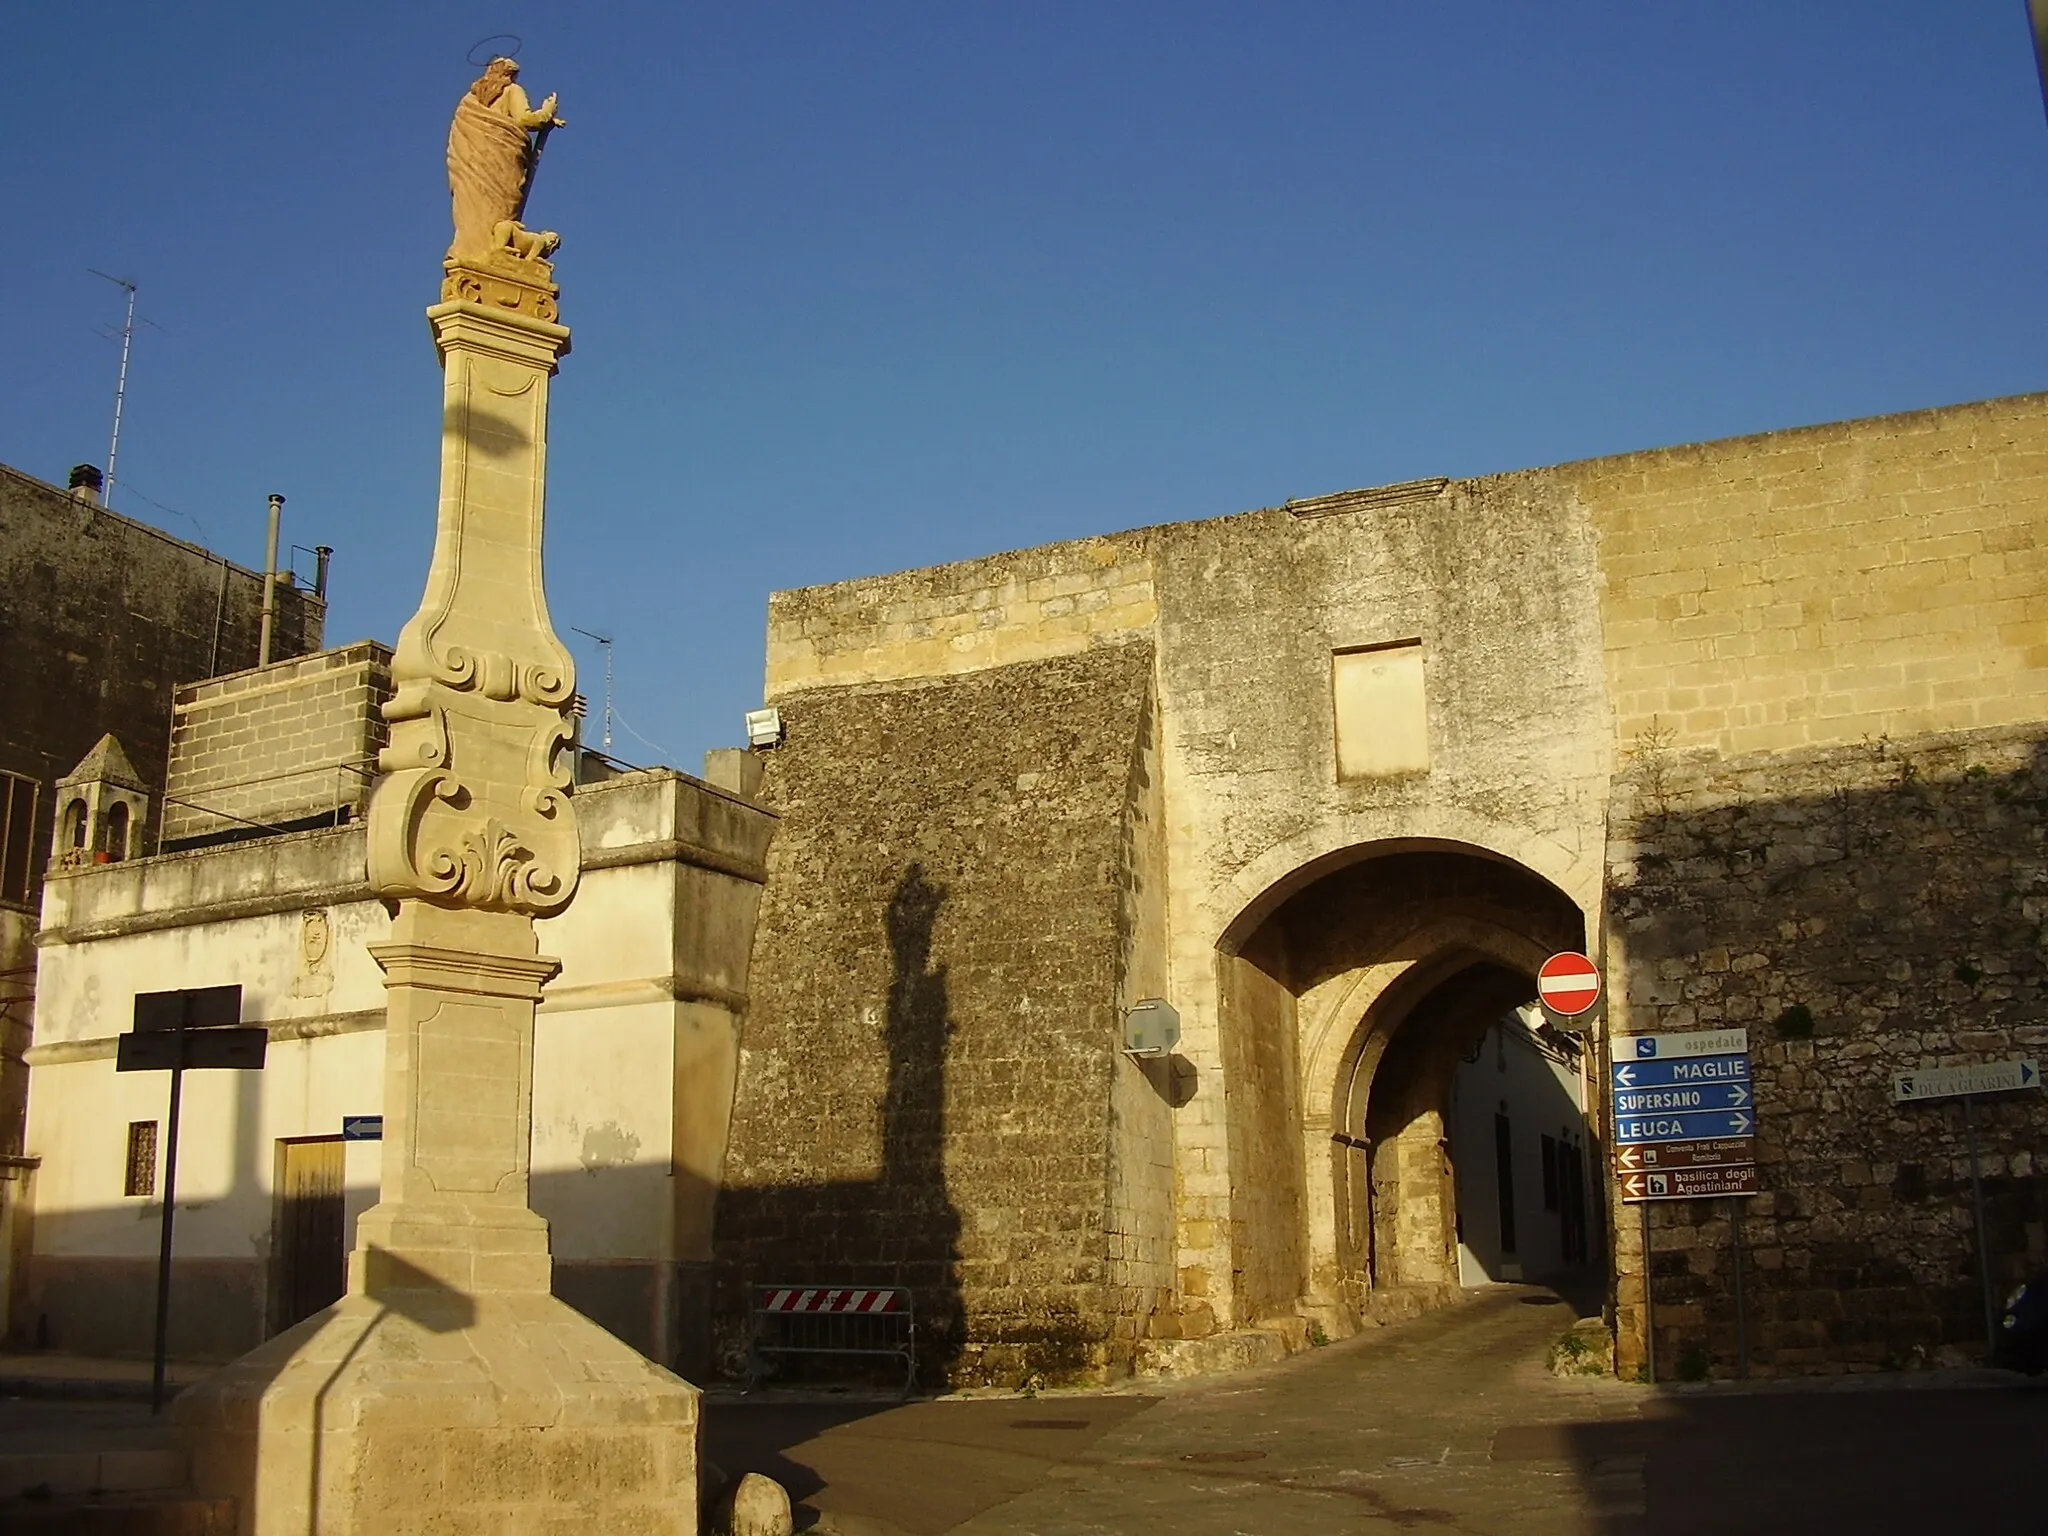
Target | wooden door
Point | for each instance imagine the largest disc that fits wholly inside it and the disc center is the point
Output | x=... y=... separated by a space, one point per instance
x=309 y=1264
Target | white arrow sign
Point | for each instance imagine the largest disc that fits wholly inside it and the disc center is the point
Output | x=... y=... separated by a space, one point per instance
x=1954 y=1082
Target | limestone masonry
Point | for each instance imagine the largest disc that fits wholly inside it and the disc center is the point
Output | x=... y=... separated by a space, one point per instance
x=1757 y=722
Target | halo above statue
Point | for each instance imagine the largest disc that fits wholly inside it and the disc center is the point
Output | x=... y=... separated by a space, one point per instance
x=499 y=45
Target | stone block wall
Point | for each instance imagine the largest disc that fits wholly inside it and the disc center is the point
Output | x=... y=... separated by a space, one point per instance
x=103 y=617
x=280 y=747
x=1861 y=910
x=1802 y=588
x=931 y=1044
x=1022 y=606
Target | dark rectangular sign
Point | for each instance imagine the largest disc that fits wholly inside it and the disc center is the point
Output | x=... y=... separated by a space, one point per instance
x=1690 y=1183
x=189 y=1008
x=232 y=1050
x=1718 y=1152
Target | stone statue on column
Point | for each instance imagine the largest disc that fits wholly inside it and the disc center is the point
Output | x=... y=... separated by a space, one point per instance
x=448 y=1389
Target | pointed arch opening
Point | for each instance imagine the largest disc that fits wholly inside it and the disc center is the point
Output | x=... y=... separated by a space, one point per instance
x=1396 y=1105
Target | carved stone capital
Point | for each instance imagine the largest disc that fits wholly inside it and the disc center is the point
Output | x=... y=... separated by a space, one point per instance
x=503 y=281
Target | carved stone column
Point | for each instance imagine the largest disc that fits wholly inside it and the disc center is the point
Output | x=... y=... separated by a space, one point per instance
x=448 y=1389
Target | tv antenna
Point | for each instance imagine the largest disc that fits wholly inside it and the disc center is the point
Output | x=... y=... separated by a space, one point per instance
x=121 y=383
x=606 y=642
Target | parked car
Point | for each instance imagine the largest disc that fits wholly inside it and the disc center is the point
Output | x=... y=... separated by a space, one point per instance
x=2023 y=1331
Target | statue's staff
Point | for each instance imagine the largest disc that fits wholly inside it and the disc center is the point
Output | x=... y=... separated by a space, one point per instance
x=540 y=144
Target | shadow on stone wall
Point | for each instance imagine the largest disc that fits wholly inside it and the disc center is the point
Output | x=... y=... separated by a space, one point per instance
x=1861 y=911
x=898 y=1229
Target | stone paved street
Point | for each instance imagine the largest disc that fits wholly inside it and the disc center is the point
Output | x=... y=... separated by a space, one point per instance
x=1449 y=1423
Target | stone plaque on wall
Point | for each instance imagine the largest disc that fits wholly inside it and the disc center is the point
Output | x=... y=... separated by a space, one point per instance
x=1381 y=715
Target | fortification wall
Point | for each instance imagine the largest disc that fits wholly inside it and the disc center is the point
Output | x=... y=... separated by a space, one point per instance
x=1026 y=605
x=1861 y=911
x=931 y=1044
x=1884 y=577
x=1739 y=639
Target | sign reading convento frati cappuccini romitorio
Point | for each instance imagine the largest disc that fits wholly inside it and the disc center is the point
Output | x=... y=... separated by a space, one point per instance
x=1684 y=1115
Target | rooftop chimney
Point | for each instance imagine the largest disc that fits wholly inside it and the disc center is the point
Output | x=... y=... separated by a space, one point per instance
x=86 y=481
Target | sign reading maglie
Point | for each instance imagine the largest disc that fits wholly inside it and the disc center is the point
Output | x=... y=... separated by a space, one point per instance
x=1680 y=1070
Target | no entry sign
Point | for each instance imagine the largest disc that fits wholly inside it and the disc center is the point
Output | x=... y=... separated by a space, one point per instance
x=1568 y=983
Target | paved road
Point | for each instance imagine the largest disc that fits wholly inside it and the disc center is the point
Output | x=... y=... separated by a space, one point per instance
x=1445 y=1424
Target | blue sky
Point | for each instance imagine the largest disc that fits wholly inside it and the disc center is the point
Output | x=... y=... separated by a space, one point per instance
x=863 y=286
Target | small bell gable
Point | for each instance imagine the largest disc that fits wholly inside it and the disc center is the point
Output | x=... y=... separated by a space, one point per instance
x=102 y=807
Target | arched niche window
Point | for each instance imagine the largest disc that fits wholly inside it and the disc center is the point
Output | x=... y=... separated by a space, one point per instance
x=74 y=825
x=117 y=830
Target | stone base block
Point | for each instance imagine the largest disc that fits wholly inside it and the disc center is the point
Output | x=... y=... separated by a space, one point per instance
x=429 y=1411
x=1176 y=1358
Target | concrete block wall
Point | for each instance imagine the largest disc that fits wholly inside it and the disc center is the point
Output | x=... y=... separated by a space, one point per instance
x=278 y=745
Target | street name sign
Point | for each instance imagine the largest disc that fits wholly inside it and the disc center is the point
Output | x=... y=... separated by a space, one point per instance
x=1569 y=983
x=1680 y=1069
x=1690 y=1183
x=1722 y=1151
x=190 y=1008
x=191 y=1050
x=1698 y=1042
x=1954 y=1082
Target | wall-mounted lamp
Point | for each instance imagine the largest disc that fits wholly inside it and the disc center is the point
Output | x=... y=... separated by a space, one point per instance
x=764 y=727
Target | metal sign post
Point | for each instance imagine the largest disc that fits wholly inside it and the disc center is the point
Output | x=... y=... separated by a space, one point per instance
x=1966 y=1083
x=160 y=1346
x=1685 y=1129
x=1741 y=1313
x=177 y=1032
x=1983 y=1247
x=1649 y=1307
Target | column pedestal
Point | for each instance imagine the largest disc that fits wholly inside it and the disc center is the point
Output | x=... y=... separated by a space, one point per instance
x=448 y=1393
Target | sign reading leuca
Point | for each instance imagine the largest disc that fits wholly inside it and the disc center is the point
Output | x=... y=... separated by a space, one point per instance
x=1954 y=1082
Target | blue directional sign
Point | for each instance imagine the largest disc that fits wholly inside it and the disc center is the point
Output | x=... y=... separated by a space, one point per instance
x=362 y=1127
x=1682 y=1097
x=1683 y=1126
x=1680 y=1069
